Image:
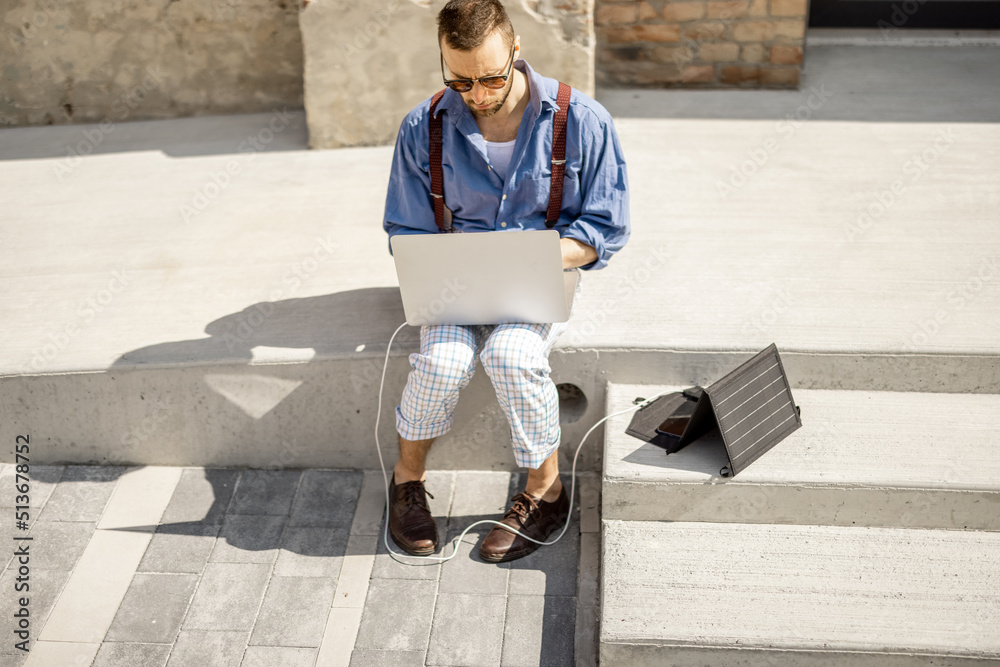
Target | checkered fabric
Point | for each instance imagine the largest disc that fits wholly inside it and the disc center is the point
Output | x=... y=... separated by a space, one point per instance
x=516 y=359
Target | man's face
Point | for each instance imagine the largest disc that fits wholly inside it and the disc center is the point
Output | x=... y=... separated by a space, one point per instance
x=491 y=58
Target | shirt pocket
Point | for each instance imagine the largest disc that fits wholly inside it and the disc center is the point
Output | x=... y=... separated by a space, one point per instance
x=536 y=193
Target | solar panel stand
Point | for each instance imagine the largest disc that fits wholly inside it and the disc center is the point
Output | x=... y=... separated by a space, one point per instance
x=752 y=406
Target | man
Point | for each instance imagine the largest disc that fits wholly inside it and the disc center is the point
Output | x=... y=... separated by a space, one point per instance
x=497 y=125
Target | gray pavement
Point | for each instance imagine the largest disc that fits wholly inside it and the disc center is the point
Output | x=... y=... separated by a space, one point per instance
x=266 y=567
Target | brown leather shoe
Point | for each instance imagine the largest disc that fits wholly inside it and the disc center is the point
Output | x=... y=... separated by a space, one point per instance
x=529 y=515
x=410 y=522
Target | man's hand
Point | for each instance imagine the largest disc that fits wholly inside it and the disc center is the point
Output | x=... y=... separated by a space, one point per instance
x=576 y=253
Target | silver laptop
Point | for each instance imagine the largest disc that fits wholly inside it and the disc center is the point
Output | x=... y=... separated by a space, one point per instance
x=483 y=277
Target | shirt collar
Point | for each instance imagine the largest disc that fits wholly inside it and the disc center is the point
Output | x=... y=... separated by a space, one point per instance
x=540 y=94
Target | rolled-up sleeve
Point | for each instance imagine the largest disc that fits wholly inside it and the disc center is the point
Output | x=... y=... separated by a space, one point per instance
x=604 y=216
x=407 y=203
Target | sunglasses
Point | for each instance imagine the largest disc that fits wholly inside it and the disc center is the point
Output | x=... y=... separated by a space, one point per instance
x=491 y=82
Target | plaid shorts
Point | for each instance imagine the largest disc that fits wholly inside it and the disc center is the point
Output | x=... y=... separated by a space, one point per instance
x=516 y=359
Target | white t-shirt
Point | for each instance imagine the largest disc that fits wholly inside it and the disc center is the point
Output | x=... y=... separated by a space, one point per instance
x=500 y=153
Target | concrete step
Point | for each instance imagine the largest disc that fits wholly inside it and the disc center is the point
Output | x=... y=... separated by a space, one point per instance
x=745 y=594
x=865 y=458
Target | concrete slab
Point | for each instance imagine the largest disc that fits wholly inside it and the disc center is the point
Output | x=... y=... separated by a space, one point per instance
x=714 y=594
x=866 y=248
x=861 y=458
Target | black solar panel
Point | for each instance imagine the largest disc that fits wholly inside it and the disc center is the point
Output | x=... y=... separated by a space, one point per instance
x=754 y=408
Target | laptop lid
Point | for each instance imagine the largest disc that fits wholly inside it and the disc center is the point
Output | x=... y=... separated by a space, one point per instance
x=483 y=277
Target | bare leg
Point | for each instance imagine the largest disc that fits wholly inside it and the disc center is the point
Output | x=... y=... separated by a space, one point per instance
x=412 y=459
x=543 y=482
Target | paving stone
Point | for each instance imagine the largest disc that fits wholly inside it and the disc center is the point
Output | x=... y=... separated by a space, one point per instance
x=550 y=570
x=397 y=615
x=208 y=649
x=326 y=498
x=153 y=608
x=180 y=548
x=371 y=504
x=227 y=597
x=278 y=656
x=41 y=482
x=539 y=630
x=368 y=658
x=140 y=497
x=479 y=495
x=58 y=545
x=117 y=654
x=202 y=496
x=311 y=552
x=589 y=503
x=356 y=571
x=248 y=539
x=338 y=638
x=467 y=630
x=82 y=493
x=589 y=565
x=87 y=605
x=265 y=492
x=46 y=653
x=467 y=572
x=45 y=586
x=294 y=612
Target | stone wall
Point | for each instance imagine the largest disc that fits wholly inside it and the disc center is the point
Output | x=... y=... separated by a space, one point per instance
x=79 y=61
x=367 y=64
x=700 y=43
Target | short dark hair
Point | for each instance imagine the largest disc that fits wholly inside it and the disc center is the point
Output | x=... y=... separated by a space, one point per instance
x=465 y=24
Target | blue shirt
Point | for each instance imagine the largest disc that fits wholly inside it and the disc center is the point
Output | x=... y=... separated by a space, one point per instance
x=595 y=207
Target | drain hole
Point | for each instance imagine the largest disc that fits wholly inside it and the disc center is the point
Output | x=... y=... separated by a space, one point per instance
x=572 y=403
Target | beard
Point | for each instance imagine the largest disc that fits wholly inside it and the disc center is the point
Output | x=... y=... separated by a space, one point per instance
x=493 y=108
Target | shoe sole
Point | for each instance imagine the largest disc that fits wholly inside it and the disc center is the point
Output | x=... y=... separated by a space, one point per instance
x=427 y=551
x=503 y=558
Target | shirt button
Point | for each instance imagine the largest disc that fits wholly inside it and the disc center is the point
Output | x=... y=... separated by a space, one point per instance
x=504 y=197
x=490 y=167
x=503 y=224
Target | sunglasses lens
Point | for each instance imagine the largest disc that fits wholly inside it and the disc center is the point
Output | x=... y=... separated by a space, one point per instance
x=461 y=86
x=494 y=82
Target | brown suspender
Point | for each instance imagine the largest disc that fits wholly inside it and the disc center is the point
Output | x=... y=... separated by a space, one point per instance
x=558 y=161
x=558 y=156
x=437 y=176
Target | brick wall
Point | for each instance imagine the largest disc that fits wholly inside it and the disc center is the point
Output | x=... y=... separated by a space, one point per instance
x=700 y=43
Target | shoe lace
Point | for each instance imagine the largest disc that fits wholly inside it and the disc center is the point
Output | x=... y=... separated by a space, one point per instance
x=414 y=494
x=521 y=506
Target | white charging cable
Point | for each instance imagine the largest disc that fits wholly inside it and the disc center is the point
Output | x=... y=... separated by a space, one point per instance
x=572 y=488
